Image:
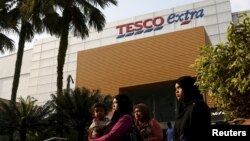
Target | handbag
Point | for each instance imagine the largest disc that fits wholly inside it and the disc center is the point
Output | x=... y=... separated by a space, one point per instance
x=135 y=134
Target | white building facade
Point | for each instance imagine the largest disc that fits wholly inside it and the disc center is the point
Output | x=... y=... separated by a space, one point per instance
x=39 y=68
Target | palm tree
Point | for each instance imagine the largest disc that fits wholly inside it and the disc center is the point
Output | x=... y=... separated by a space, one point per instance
x=23 y=117
x=26 y=12
x=6 y=25
x=77 y=16
x=73 y=110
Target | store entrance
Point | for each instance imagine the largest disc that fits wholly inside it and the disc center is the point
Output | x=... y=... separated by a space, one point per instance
x=160 y=97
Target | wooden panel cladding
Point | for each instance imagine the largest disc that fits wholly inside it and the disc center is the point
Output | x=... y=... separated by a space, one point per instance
x=143 y=61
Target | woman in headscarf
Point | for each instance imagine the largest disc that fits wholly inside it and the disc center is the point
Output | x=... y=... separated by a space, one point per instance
x=149 y=128
x=193 y=119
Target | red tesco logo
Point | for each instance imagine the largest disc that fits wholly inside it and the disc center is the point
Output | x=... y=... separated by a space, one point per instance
x=139 y=25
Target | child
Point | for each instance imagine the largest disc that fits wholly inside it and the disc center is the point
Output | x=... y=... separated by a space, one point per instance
x=99 y=122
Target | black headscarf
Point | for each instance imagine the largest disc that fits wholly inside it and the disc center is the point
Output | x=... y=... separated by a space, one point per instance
x=190 y=90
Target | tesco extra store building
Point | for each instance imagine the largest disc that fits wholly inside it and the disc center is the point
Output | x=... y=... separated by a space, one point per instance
x=141 y=56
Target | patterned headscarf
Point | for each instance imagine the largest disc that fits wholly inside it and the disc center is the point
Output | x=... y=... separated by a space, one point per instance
x=145 y=111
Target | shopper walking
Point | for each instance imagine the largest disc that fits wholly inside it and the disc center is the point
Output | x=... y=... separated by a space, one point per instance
x=193 y=118
x=149 y=128
x=169 y=132
x=121 y=121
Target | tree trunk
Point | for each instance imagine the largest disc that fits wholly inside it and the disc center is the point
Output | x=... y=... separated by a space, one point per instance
x=23 y=134
x=19 y=60
x=62 y=51
x=80 y=134
x=10 y=136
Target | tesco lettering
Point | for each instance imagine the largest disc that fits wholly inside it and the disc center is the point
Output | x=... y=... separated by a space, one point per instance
x=139 y=25
x=154 y=24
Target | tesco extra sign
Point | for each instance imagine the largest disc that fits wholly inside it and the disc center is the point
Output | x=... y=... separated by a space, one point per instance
x=154 y=24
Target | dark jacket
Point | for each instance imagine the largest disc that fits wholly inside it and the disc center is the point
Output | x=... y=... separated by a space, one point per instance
x=193 y=122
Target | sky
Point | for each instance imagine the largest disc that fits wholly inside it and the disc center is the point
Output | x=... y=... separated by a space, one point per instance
x=131 y=8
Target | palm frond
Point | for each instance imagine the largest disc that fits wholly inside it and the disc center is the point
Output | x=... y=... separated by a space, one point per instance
x=24 y=115
x=6 y=44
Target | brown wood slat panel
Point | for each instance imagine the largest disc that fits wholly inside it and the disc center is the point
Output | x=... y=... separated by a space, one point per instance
x=148 y=60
